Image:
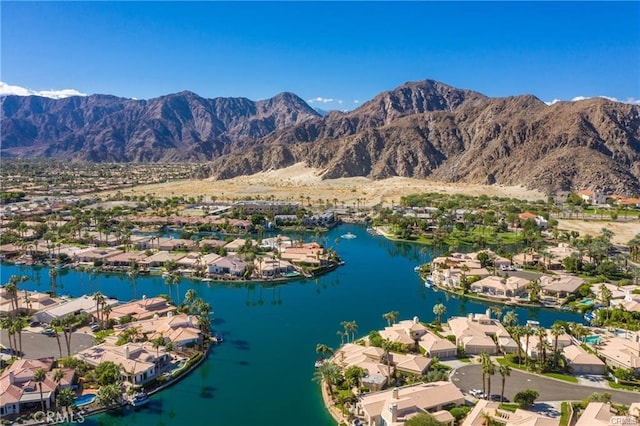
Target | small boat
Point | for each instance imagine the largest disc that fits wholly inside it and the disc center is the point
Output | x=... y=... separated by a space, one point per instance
x=417 y=268
x=206 y=280
x=348 y=236
x=428 y=282
x=319 y=363
x=217 y=337
x=533 y=323
x=139 y=399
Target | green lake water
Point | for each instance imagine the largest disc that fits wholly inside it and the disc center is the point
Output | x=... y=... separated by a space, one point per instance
x=261 y=374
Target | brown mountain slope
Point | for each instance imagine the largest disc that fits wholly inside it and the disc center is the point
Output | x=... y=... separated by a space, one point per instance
x=516 y=140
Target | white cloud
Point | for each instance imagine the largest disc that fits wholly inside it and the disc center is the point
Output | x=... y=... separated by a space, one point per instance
x=632 y=101
x=339 y=101
x=356 y=101
x=7 y=89
x=321 y=100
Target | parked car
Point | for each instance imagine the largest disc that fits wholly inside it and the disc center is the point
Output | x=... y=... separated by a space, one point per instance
x=496 y=397
x=34 y=324
x=476 y=393
x=49 y=332
x=95 y=327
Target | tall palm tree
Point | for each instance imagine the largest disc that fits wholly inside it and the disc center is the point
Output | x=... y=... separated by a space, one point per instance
x=391 y=317
x=489 y=368
x=556 y=331
x=484 y=360
x=7 y=323
x=328 y=372
x=387 y=345
x=541 y=332
x=99 y=299
x=439 y=310
x=40 y=377
x=341 y=334
x=170 y=280
x=106 y=312
x=353 y=327
x=53 y=274
x=527 y=332
x=505 y=371
x=19 y=324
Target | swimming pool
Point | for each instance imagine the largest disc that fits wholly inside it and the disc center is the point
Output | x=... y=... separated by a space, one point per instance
x=592 y=339
x=587 y=302
x=85 y=399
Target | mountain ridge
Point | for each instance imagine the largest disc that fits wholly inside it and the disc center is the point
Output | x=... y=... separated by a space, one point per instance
x=423 y=129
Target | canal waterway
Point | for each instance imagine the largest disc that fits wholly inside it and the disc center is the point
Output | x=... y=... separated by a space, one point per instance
x=261 y=374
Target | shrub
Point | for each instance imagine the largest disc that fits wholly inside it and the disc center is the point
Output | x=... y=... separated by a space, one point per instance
x=526 y=398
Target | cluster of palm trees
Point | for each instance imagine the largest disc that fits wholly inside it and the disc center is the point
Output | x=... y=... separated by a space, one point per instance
x=526 y=331
x=349 y=329
x=489 y=368
x=14 y=323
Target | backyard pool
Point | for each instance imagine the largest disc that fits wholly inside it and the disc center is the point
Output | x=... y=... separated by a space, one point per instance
x=85 y=399
x=593 y=340
x=587 y=302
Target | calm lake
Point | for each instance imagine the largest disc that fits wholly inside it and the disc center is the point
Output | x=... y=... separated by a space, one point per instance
x=262 y=372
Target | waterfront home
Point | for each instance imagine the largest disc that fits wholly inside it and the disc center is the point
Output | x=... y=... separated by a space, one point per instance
x=236 y=245
x=82 y=304
x=501 y=288
x=475 y=334
x=557 y=254
x=630 y=303
x=161 y=258
x=126 y=259
x=618 y=293
x=230 y=265
x=559 y=287
x=170 y=244
x=141 y=242
x=621 y=352
x=395 y=406
x=181 y=330
x=307 y=254
x=596 y=414
x=140 y=362
x=93 y=255
x=456 y=260
x=583 y=362
x=411 y=331
x=142 y=309
x=451 y=278
x=20 y=393
x=28 y=301
x=278 y=242
x=10 y=250
x=370 y=359
x=192 y=261
x=268 y=266
x=483 y=409
x=211 y=243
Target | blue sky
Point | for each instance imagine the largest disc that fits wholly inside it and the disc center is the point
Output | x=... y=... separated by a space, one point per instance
x=347 y=52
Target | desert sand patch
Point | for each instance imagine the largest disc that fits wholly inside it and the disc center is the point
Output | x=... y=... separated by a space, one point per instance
x=623 y=232
x=299 y=182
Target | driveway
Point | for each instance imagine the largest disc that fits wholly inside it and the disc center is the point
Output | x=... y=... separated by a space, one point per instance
x=470 y=377
x=37 y=345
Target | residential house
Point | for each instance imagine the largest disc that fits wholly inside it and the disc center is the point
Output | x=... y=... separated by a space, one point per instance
x=28 y=302
x=268 y=266
x=559 y=287
x=501 y=288
x=595 y=198
x=476 y=332
x=172 y=244
x=82 y=304
x=161 y=258
x=411 y=331
x=478 y=416
x=395 y=406
x=19 y=393
x=583 y=362
x=140 y=362
x=142 y=309
x=180 y=329
x=126 y=259
x=94 y=255
x=230 y=265
x=596 y=414
x=621 y=352
x=370 y=359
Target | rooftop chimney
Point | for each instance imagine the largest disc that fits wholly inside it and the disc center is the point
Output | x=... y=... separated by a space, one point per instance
x=416 y=320
x=395 y=393
x=126 y=351
x=394 y=412
x=488 y=313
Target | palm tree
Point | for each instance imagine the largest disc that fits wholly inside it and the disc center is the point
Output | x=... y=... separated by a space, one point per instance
x=7 y=323
x=542 y=340
x=439 y=310
x=341 y=334
x=156 y=343
x=106 y=312
x=489 y=368
x=634 y=247
x=527 y=332
x=99 y=299
x=328 y=372
x=510 y=318
x=170 y=280
x=505 y=371
x=556 y=330
x=40 y=377
x=353 y=327
x=391 y=317
x=484 y=360
x=65 y=398
x=387 y=345
x=19 y=324
x=323 y=349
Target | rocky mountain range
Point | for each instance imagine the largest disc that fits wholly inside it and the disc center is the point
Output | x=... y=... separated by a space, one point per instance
x=422 y=129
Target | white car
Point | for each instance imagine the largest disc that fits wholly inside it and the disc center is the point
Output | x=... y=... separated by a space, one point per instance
x=476 y=392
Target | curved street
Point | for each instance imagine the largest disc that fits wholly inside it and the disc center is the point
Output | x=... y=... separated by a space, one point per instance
x=470 y=377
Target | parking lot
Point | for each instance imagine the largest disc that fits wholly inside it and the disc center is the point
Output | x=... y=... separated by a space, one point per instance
x=37 y=345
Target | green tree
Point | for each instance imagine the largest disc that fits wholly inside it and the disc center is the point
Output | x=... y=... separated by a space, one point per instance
x=65 y=398
x=353 y=376
x=557 y=330
x=323 y=349
x=330 y=373
x=424 y=419
x=526 y=398
x=107 y=372
x=510 y=318
x=438 y=310
x=109 y=394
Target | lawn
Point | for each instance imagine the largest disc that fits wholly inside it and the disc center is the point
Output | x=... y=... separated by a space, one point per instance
x=560 y=376
x=615 y=385
x=564 y=417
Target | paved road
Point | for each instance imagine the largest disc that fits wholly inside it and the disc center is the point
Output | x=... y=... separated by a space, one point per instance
x=37 y=345
x=470 y=377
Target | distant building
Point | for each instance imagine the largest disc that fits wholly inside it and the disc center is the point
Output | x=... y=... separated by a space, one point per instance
x=264 y=207
x=592 y=197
